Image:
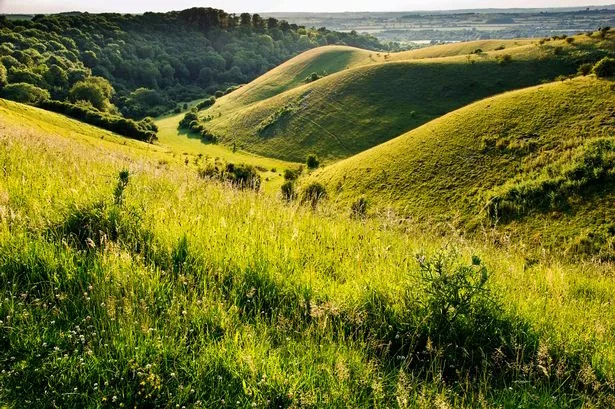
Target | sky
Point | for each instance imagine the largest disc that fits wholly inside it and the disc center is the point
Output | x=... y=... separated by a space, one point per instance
x=138 y=6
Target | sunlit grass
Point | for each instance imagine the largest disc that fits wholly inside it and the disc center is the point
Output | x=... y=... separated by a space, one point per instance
x=189 y=292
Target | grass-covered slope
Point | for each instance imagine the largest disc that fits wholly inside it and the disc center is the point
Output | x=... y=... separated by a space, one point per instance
x=322 y=61
x=540 y=159
x=355 y=109
x=129 y=282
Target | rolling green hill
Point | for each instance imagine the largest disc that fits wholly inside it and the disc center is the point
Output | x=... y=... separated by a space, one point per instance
x=372 y=101
x=539 y=162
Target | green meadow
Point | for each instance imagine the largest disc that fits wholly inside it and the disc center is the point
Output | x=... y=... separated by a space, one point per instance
x=453 y=248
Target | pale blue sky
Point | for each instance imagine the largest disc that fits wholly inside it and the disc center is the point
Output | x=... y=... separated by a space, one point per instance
x=132 y=6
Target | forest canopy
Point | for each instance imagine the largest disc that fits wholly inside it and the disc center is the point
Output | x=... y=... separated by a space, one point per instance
x=145 y=65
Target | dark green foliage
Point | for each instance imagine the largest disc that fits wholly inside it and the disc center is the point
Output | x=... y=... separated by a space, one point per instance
x=219 y=94
x=181 y=55
x=122 y=182
x=144 y=130
x=312 y=161
x=188 y=119
x=605 y=67
x=241 y=176
x=314 y=193
x=24 y=92
x=313 y=77
x=95 y=90
x=602 y=32
x=462 y=324
x=288 y=190
x=292 y=174
x=585 y=69
x=358 y=209
x=209 y=102
x=591 y=168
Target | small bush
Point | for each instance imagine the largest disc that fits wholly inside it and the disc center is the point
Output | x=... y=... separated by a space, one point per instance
x=605 y=67
x=570 y=40
x=291 y=174
x=312 y=161
x=288 y=191
x=144 y=130
x=313 y=194
x=209 y=102
x=358 y=210
x=219 y=94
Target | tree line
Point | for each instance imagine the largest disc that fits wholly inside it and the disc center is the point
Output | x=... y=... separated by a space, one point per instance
x=137 y=66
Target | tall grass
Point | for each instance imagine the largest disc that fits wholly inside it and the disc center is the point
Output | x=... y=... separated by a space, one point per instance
x=124 y=283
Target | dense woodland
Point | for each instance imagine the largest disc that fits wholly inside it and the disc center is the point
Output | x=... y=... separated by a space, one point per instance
x=144 y=65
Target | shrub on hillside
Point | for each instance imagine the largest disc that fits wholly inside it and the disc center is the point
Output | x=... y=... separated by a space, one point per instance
x=241 y=176
x=288 y=190
x=144 y=130
x=605 y=67
x=358 y=209
x=188 y=119
x=312 y=161
x=591 y=168
x=25 y=93
x=292 y=174
x=313 y=194
x=209 y=102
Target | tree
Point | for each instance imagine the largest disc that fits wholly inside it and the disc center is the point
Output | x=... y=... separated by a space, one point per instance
x=312 y=161
x=56 y=77
x=25 y=93
x=95 y=90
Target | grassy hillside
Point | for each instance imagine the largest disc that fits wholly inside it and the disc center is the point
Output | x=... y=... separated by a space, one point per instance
x=538 y=160
x=361 y=107
x=130 y=282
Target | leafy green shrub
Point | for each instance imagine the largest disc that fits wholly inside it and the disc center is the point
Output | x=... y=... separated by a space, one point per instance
x=188 y=119
x=605 y=67
x=144 y=130
x=312 y=161
x=219 y=94
x=358 y=209
x=313 y=194
x=312 y=77
x=209 y=102
x=242 y=176
x=591 y=168
x=570 y=40
x=25 y=93
x=462 y=324
x=288 y=190
x=292 y=174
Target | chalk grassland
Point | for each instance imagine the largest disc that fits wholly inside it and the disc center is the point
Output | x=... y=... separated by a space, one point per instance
x=368 y=98
x=154 y=287
x=537 y=162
